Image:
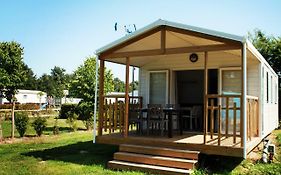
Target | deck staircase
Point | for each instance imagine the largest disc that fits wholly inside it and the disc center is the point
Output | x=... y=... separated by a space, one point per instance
x=156 y=160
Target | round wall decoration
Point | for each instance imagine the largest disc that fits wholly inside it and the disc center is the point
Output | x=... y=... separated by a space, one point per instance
x=193 y=57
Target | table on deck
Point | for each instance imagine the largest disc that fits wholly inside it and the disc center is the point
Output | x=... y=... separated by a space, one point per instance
x=169 y=112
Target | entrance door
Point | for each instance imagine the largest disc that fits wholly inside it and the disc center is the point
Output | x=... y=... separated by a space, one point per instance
x=190 y=90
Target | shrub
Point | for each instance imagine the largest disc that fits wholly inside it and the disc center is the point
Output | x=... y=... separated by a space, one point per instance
x=39 y=124
x=72 y=120
x=85 y=113
x=56 y=128
x=21 y=122
x=67 y=108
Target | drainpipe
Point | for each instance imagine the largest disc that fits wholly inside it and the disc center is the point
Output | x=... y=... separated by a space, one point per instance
x=96 y=98
x=244 y=98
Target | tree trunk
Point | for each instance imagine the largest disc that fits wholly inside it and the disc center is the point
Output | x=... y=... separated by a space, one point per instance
x=1 y=132
x=13 y=120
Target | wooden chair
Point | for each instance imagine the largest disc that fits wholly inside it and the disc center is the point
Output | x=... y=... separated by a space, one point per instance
x=135 y=118
x=194 y=115
x=156 y=119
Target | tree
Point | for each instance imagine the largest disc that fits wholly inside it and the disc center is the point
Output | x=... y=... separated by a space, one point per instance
x=31 y=80
x=134 y=86
x=55 y=83
x=12 y=73
x=59 y=80
x=46 y=84
x=83 y=85
x=119 y=85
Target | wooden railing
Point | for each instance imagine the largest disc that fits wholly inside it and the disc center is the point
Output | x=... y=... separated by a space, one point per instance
x=223 y=117
x=113 y=117
x=252 y=117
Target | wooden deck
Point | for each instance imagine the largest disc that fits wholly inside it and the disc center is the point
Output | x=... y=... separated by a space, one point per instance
x=187 y=141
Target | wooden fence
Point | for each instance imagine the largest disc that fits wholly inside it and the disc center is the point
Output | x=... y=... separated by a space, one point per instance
x=113 y=117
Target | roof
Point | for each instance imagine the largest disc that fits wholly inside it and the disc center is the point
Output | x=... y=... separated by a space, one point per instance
x=161 y=22
x=213 y=33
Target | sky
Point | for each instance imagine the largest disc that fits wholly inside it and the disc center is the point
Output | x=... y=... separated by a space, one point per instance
x=64 y=32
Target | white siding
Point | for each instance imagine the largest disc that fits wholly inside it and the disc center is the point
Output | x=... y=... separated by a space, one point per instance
x=270 y=107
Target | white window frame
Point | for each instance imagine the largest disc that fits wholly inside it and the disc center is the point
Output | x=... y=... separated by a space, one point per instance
x=167 y=84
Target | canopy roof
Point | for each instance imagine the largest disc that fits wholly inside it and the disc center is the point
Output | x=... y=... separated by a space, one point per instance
x=162 y=38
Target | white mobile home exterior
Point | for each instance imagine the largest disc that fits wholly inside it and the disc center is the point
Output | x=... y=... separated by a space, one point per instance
x=28 y=96
x=192 y=66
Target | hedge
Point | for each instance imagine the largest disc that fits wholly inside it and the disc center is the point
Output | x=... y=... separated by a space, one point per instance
x=27 y=106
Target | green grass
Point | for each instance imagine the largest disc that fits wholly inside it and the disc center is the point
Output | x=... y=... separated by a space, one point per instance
x=67 y=153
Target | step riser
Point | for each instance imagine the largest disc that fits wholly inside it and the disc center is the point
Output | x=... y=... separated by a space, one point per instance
x=153 y=161
x=124 y=167
x=158 y=152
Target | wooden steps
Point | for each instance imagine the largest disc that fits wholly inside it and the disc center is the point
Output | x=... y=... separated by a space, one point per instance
x=156 y=160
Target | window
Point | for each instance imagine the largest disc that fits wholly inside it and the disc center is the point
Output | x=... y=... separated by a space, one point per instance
x=271 y=89
x=158 y=87
x=267 y=89
x=231 y=82
x=276 y=93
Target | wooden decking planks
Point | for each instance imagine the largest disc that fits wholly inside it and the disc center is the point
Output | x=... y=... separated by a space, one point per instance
x=185 y=142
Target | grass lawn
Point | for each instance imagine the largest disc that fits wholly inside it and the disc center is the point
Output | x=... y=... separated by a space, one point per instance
x=67 y=153
x=74 y=153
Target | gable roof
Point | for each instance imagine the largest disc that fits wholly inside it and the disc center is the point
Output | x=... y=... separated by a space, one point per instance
x=161 y=22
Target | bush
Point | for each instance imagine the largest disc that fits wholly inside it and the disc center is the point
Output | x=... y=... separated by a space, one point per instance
x=85 y=113
x=21 y=122
x=39 y=125
x=72 y=120
x=66 y=109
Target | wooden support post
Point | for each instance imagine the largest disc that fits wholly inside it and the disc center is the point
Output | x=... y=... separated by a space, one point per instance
x=163 y=40
x=126 y=125
x=205 y=96
x=234 y=123
x=244 y=99
x=101 y=101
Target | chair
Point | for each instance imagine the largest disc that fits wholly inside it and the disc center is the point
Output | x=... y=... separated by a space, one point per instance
x=155 y=118
x=194 y=115
x=135 y=118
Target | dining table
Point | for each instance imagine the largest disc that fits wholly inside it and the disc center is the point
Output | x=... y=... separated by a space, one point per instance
x=169 y=113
